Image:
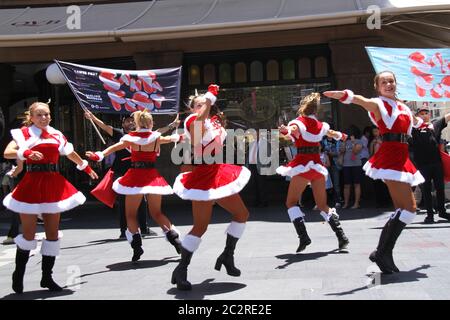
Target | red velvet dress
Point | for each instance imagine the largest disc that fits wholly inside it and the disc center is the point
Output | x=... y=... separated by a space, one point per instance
x=307 y=165
x=210 y=181
x=142 y=180
x=391 y=161
x=38 y=191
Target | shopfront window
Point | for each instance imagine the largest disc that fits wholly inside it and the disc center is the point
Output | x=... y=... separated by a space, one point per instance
x=256 y=71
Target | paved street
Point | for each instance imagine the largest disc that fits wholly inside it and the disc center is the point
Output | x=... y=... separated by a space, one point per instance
x=94 y=264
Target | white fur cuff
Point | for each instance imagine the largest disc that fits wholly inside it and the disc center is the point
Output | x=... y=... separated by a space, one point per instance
x=294 y=213
x=83 y=165
x=129 y=235
x=175 y=137
x=327 y=216
x=211 y=97
x=191 y=243
x=407 y=217
x=50 y=248
x=236 y=229
x=20 y=153
x=339 y=136
x=100 y=155
x=349 y=98
x=25 y=244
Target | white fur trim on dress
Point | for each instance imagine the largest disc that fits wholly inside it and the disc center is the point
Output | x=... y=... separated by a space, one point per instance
x=49 y=207
x=327 y=216
x=407 y=217
x=213 y=194
x=389 y=174
x=25 y=244
x=350 y=96
x=295 y=212
x=310 y=137
x=211 y=97
x=50 y=248
x=390 y=120
x=236 y=229
x=293 y=171
x=65 y=149
x=83 y=165
x=191 y=243
x=17 y=136
x=121 y=189
x=141 y=141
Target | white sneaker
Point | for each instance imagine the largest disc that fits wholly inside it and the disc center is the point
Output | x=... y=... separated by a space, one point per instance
x=8 y=240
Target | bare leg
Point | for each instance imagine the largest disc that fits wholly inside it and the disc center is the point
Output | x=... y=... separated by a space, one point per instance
x=357 y=196
x=236 y=207
x=132 y=203
x=154 y=207
x=296 y=187
x=202 y=211
x=346 y=195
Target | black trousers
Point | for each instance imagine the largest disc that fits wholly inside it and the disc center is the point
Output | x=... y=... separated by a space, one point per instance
x=142 y=213
x=433 y=172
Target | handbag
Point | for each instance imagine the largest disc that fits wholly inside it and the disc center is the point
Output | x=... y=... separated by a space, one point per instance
x=104 y=191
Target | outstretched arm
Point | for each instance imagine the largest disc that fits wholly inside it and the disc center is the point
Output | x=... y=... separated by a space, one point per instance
x=174 y=124
x=336 y=135
x=348 y=97
x=98 y=156
x=82 y=165
x=108 y=129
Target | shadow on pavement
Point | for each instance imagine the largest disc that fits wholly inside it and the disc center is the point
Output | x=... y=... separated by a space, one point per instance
x=106 y=241
x=206 y=288
x=400 y=277
x=291 y=258
x=37 y=295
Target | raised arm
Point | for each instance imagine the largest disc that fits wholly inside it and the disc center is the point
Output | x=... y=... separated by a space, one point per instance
x=347 y=97
x=210 y=99
x=108 y=129
x=99 y=155
x=174 y=124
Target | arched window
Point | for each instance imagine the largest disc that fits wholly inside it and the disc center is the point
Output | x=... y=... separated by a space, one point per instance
x=288 y=67
x=320 y=67
x=304 y=68
x=272 y=70
x=256 y=71
x=209 y=74
x=240 y=72
x=194 y=75
x=224 y=73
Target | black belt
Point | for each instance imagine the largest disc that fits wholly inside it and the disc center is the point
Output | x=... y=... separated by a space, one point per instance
x=42 y=167
x=142 y=165
x=308 y=150
x=395 y=137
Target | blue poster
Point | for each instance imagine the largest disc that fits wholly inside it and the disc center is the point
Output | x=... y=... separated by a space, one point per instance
x=124 y=91
x=422 y=74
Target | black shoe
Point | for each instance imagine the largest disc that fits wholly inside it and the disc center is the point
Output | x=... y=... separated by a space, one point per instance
x=227 y=257
x=179 y=275
x=174 y=238
x=136 y=244
x=47 y=281
x=122 y=235
x=22 y=257
x=428 y=219
x=335 y=225
x=300 y=227
x=444 y=215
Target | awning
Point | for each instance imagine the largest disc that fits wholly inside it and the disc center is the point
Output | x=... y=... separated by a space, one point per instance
x=172 y=19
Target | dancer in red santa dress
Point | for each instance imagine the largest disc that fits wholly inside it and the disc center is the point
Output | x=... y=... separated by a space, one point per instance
x=391 y=163
x=306 y=168
x=43 y=190
x=207 y=184
x=142 y=179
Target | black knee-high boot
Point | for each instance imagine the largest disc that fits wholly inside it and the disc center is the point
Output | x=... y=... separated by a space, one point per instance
x=337 y=228
x=174 y=238
x=383 y=257
x=136 y=244
x=47 y=281
x=300 y=227
x=227 y=257
x=390 y=265
x=21 y=263
x=179 y=275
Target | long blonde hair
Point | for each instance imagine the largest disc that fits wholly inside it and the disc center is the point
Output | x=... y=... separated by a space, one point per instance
x=309 y=104
x=143 y=119
x=27 y=122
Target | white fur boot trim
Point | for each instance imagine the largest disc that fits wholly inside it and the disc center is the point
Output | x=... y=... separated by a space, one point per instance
x=407 y=217
x=191 y=243
x=236 y=229
x=24 y=244
x=295 y=212
x=50 y=248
